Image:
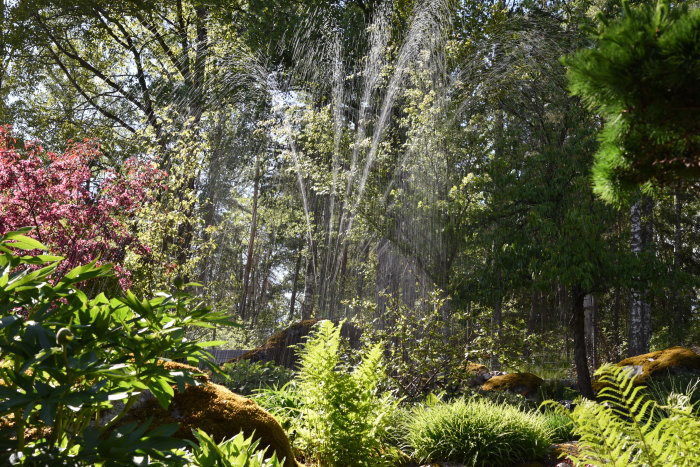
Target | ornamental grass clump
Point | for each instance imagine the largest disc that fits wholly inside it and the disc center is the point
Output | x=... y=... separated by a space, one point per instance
x=476 y=432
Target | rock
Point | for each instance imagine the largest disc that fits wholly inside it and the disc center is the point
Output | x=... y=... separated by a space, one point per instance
x=279 y=348
x=568 y=405
x=221 y=414
x=525 y=384
x=475 y=374
x=674 y=360
x=196 y=373
x=557 y=451
x=475 y=368
x=491 y=374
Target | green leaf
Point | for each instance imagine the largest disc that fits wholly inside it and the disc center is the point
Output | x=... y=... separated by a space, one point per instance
x=26 y=243
x=210 y=343
x=161 y=389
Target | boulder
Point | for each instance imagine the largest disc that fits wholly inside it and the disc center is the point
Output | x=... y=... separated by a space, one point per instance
x=674 y=360
x=477 y=374
x=475 y=368
x=221 y=414
x=279 y=348
x=196 y=373
x=525 y=384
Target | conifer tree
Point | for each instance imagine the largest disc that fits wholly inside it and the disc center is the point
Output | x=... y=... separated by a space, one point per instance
x=643 y=77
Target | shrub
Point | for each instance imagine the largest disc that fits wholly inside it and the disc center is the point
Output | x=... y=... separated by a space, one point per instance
x=557 y=389
x=82 y=212
x=507 y=398
x=244 y=377
x=422 y=358
x=630 y=429
x=476 y=432
x=234 y=452
x=69 y=361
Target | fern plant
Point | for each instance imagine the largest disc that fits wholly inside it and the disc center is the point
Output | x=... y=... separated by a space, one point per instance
x=238 y=451
x=340 y=413
x=628 y=428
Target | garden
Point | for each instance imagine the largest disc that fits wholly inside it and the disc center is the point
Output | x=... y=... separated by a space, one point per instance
x=350 y=233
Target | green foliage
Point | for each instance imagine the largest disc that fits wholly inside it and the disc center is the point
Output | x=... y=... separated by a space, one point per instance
x=508 y=398
x=172 y=224
x=424 y=357
x=557 y=389
x=343 y=414
x=238 y=451
x=244 y=377
x=643 y=78
x=660 y=389
x=560 y=426
x=476 y=432
x=337 y=414
x=284 y=402
x=630 y=429
x=72 y=366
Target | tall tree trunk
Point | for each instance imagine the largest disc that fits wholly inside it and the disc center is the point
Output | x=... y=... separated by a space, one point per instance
x=616 y=320
x=640 y=310
x=590 y=324
x=307 y=307
x=532 y=320
x=583 y=376
x=681 y=308
x=295 y=282
x=496 y=322
x=251 y=242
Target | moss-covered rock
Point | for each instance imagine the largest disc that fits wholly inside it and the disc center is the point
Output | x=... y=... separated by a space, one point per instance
x=220 y=413
x=672 y=361
x=473 y=374
x=475 y=368
x=525 y=384
x=196 y=373
x=280 y=347
x=662 y=363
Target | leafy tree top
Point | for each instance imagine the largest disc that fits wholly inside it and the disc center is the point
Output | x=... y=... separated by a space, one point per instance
x=643 y=78
x=80 y=210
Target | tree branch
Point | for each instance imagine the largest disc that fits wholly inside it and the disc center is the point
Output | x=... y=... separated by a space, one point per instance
x=83 y=93
x=88 y=66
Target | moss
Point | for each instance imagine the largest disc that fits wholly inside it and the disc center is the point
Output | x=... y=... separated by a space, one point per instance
x=475 y=368
x=279 y=348
x=661 y=361
x=197 y=374
x=521 y=383
x=220 y=413
x=564 y=450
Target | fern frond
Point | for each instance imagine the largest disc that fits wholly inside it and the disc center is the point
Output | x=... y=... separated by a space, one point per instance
x=626 y=428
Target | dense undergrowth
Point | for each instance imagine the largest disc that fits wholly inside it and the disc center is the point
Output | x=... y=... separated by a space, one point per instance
x=73 y=366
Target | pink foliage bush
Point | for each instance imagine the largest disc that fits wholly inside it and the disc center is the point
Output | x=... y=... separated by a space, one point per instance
x=79 y=210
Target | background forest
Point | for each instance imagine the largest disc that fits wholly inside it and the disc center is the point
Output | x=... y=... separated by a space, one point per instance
x=419 y=168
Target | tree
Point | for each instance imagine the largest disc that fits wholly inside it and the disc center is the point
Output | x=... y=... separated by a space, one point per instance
x=78 y=209
x=643 y=77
